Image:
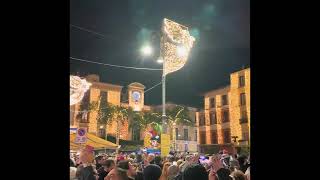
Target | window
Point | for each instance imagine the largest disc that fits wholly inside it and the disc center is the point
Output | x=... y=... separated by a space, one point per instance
x=213 y=118
x=214 y=137
x=212 y=103
x=241 y=81
x=243 y=116
x=103 y=97
x=226 y=136
x=177 y=133
x=201 y=120
x=242 y=99
x=102 y=133
x=185 y=134
x=202 y=137
x=225 y=116
x=224 y=100
x=136 y=134
x=84 y=106
x=245 y=136
x=195 y=135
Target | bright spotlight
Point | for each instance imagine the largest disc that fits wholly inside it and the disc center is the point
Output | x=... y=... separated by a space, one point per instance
x=160 y=60
x=181 y=51
x=146 y=50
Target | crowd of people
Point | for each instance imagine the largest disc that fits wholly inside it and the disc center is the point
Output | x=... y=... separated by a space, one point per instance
x=143 y=166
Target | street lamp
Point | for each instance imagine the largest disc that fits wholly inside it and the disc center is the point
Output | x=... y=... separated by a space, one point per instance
x=175 y=45
x=146 y=50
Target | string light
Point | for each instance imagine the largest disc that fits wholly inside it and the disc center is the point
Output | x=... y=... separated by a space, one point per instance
x=78 y=87
x=176 y=44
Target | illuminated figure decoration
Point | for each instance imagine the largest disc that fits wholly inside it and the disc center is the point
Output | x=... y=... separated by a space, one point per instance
x=78 y=87
x=152 y=140
x=176 y=43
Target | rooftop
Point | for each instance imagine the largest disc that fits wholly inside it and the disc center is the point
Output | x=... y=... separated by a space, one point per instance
x=221 y=90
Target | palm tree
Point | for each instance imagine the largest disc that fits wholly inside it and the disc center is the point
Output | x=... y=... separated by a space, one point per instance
x=105 y=112
x=179 y=115
x=141 y=121
x=120 y=114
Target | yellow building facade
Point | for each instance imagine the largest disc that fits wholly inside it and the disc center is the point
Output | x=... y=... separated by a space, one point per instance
x=225 y=119
x=112 y=94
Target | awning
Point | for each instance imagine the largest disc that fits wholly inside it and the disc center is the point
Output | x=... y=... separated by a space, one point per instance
x=92 y=140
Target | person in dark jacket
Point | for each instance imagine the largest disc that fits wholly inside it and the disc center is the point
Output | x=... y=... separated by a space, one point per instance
x=99 y=161
x=242 y=159
x=107 y=166
x=85 y=172
x=157 y=161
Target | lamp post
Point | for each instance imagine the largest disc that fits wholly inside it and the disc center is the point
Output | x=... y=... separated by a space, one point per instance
x=175 y=45
x=164 y=117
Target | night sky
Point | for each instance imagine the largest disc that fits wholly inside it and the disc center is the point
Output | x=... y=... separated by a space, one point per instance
x=221 y=29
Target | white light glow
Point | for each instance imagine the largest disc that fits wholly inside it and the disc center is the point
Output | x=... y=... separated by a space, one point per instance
x=160 y=61
x=146 y=50
x=181 y=51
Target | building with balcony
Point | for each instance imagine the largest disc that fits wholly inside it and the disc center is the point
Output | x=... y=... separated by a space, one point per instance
x=225 y=120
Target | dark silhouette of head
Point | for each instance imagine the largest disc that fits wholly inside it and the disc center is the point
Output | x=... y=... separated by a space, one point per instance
x=195 y=172
x=157 y=160
x=152 y=172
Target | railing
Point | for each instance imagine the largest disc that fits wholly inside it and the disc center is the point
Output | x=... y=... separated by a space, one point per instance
x=243 y=120
x=183 y=139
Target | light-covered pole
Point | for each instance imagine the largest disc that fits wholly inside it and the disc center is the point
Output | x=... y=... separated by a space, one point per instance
x=175 y=46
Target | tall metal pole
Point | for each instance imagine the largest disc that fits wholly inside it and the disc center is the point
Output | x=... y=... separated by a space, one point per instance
x=164 y=122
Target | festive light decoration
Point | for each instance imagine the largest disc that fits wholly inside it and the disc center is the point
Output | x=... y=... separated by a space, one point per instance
x=176 y=43
x=78 y=87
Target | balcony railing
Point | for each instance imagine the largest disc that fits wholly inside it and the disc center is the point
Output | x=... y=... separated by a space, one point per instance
x=243 y=120
x=183 y=139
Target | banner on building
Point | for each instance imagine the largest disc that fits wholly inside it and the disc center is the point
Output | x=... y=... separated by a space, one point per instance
x=176 y=43
x=165 y=144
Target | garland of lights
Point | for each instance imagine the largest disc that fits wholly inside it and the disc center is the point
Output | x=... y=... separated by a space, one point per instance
x=78 y=87
x=175 y=38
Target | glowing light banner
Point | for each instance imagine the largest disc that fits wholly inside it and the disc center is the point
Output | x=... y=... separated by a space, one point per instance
x=176 y=43
x=165 y=144
x=78 y=87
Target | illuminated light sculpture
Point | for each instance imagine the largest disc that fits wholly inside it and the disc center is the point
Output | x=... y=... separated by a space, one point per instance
x=176 y=43
x=78 y=87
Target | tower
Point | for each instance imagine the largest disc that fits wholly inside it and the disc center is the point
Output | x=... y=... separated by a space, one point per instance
x=136 y=96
